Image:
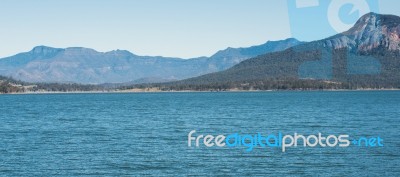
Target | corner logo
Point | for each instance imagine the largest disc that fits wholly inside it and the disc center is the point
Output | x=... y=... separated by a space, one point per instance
x=250 y=141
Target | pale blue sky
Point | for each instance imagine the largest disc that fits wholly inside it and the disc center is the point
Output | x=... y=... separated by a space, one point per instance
x=175 y=28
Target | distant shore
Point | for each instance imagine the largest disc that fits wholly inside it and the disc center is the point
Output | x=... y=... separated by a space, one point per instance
x=190 y=91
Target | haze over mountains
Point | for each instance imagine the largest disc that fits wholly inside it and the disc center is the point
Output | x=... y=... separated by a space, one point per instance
x=87 y=66
x=367 y=55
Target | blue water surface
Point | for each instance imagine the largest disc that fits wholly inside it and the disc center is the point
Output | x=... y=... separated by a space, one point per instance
x=136 y=134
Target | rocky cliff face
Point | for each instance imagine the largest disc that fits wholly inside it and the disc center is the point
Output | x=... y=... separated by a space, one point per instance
x=370 y=32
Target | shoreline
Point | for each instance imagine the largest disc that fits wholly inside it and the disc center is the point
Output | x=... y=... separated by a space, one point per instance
x=191 y=91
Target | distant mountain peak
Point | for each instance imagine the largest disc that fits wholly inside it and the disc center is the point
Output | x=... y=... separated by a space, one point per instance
x=289 y=40
x=378 y=19
x=80 y=50
x=284 y=41
x=371 y=31
x=269 y=46
x=119 y=52
x=367 y=16
x=45 y=51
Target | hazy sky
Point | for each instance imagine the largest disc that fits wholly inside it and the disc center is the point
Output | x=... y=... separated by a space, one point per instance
x=175 y=28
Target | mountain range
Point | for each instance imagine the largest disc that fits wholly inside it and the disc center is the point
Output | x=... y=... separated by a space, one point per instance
x=87 y=66
x=365 y=56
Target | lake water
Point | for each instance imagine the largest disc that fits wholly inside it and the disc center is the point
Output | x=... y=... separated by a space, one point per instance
x=136 y=134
